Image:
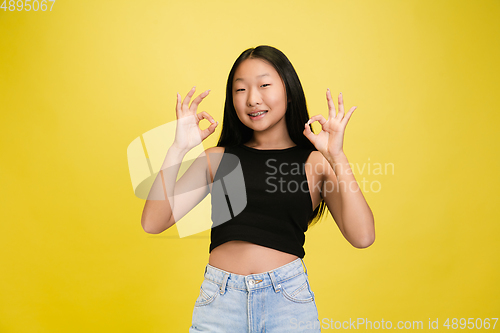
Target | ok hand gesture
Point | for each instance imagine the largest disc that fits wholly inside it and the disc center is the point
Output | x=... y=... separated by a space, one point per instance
x=188 y=133
x=330 y=140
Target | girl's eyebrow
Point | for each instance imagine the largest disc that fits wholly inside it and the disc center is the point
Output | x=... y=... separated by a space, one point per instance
x=241 y=79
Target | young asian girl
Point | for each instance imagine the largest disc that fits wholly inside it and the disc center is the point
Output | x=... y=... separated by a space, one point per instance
x=255 y=279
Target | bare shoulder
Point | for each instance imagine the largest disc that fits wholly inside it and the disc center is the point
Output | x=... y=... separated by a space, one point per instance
x=214 y=150
x=316 y=158
x=214 y=156
x=319 y=164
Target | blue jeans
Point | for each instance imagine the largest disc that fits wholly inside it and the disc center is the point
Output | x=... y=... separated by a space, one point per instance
x=280 y=300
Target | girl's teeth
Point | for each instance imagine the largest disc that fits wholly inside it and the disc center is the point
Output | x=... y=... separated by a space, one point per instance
x=257 y=114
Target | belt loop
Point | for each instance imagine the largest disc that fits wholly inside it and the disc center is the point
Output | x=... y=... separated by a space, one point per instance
x=275 y=283
x=304 y=265
x=224 y=283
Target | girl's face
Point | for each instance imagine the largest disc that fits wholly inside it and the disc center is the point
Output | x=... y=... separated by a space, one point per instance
x=257 y=86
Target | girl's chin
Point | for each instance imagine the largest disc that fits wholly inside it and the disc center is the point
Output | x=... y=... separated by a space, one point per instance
x=256 y=126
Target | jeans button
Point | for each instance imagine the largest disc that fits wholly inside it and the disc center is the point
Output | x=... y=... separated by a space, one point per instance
x=251 y=282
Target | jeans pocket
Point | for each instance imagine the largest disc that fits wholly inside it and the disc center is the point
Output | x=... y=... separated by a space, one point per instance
x=297 y=289
x=208 y=293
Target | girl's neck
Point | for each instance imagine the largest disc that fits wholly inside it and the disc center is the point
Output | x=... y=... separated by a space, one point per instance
x=272 y=138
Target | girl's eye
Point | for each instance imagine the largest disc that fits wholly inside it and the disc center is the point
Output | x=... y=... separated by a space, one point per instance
x=265 y=84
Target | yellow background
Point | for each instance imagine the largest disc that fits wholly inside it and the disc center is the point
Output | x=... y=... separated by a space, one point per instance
x=81 y=82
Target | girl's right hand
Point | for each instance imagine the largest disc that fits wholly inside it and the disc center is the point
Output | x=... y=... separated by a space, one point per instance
x=188 y=133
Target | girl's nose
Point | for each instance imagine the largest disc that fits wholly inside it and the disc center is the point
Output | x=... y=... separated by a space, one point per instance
x=254 y=97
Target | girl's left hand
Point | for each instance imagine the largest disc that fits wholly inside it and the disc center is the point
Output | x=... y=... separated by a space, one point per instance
x=330 y=140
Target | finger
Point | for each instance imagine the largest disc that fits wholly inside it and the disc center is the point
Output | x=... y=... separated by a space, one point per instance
x=319 y=118
x=331 y=105
x=341 y=106
x=178 y=105
x=309 y=134
x=197 y=100
x=348 y=115
x=185 y=103
x=209 y=130
x=205 y=115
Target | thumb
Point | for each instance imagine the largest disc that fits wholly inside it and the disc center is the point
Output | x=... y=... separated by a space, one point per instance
x=209 y=130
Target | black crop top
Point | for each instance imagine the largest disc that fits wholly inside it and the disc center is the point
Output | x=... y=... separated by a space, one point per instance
x=262 y=196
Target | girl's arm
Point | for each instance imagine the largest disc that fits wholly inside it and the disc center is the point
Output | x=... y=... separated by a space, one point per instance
x=165 y=193
x=346 y=202
x=341 y=192
x=168 y=201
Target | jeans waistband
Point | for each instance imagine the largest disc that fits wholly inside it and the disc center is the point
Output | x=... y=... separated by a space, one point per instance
x=255 y=281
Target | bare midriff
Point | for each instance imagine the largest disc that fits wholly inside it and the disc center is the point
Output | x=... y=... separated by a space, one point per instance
x=245 y=258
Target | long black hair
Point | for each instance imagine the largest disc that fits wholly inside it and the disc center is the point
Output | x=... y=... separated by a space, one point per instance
x=234 y=132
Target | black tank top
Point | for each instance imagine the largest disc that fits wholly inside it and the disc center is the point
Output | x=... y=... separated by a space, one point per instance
x=262 y=196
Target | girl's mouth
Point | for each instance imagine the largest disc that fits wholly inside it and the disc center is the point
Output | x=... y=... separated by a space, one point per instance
x=257 y=115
